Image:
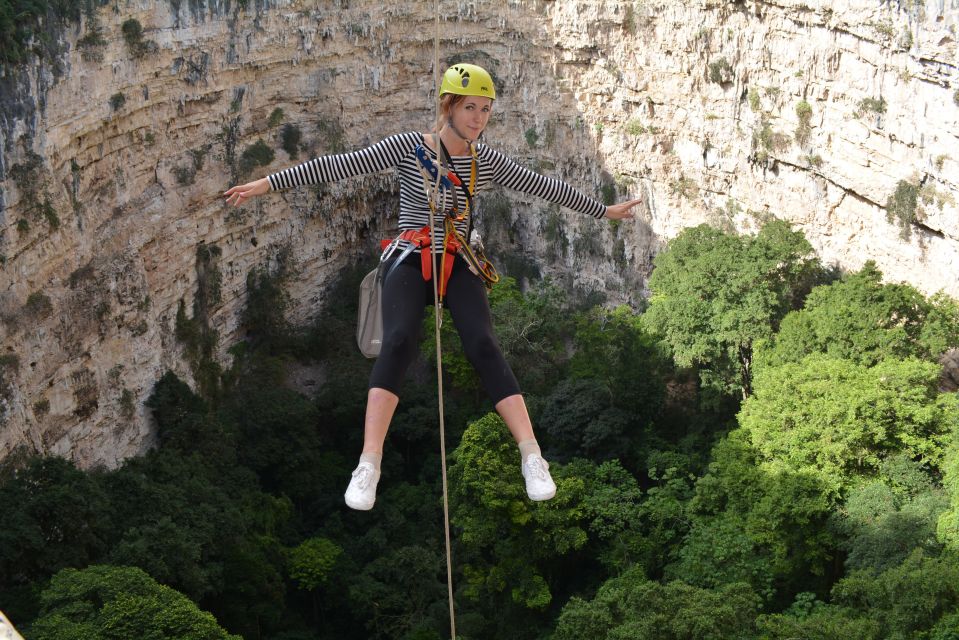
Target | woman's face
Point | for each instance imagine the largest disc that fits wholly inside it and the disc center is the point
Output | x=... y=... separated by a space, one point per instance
x=470 y=115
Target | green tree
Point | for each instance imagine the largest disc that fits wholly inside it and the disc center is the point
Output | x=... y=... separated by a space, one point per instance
x=103 y=602
x=881 y=526
x=715 y=294
x=615 y=349
x=754 y=524
x=947 y=528
x=402 y=592
x=185 y=424
x=631 y=607
x=906 y=600
x=861 y=319
x=580 y=419
x=835 y=418
x=811 y=619
x=53 y=516
x=508 y=539
x=311 y=562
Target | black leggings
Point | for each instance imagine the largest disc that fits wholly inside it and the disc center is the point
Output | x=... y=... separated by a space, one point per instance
x=406 y=294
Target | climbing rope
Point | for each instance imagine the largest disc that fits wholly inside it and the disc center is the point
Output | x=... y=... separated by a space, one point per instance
x=438 y=319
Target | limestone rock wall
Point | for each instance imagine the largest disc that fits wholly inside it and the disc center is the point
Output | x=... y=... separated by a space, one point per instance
x=114 y=157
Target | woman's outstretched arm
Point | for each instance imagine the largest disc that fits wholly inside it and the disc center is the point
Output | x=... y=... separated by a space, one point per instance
x=243 y=192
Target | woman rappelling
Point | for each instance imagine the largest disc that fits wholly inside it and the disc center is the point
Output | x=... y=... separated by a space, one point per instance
x=467 y=96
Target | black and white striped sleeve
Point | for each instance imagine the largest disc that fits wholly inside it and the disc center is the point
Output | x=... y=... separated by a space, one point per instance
x=514 y=176
x=385 y=154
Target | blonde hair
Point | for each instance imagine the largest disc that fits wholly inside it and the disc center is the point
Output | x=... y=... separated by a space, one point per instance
x=447 y=102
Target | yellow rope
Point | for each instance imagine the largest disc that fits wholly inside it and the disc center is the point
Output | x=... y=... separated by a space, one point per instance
x=438 y=319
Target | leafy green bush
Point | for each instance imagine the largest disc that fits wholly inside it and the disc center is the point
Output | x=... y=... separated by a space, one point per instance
x=258 y=154
x=103 y=602
x=871 y=105
x=901 y=207
x=804 y=113
x=290 y=138
x=133 y=36
x=720 y=71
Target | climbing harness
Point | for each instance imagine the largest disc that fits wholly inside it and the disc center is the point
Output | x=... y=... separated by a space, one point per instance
x=454 y=243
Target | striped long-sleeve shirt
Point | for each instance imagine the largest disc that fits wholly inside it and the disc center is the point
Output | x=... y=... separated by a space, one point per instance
x=400 y=151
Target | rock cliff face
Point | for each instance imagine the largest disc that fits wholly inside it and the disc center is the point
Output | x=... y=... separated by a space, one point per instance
x=839 y=117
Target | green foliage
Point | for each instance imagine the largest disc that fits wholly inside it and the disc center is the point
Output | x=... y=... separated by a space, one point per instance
x=186 y=176
x=405 y=585
x=258 y=154
x=804 y=113
x=863 y=320
x=684 y=187
x=290 y=138
x=818 y=621
x=881 y=528
x=507 y=539
x=91 y=43
x=105 y=602
x=610 y=346
x=754 y=103
x=635 y=127
x=754 y=524
x=675 y=527
x=276 y=117
x=117 y=100
x=264 y=316
x=836 y=418
x=127 y=404
x=38 y=306
x=715 y=294
x=23 y=22
x=901 y=207
x=55 y=516
x=955 y=97
x=607 y=193
x=720 y=71
x=182 y=420
x=766 y=139
x=908 y=599
x=311 y=562
x=948 y=526
x=632 y=607
x=333 y=135
x=133 y=36
x=531 y=137
x=554 y=232
x=280 y=427
x=29 y=178
x=717 y=551
x=195 y=334
x=41 y=407
x=871 y=105
x=580 y=418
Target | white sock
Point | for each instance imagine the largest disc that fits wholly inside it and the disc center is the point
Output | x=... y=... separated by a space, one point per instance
x=529 y=447
x=373 y=458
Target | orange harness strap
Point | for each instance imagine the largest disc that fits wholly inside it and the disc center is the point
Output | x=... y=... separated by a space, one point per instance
x=421 y=238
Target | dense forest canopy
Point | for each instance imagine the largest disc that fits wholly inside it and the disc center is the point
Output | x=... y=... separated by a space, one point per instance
x=764 y=453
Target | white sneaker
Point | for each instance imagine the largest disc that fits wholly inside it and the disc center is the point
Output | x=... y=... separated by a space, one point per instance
x=539 y=484
x=361 y=494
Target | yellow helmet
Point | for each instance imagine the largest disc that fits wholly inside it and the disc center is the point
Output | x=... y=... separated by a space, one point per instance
x=468 y=80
